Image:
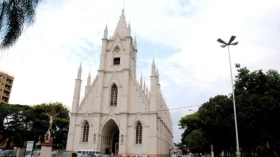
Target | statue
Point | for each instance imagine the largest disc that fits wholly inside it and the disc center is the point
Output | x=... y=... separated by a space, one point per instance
x=51 y=115
x=48 y=135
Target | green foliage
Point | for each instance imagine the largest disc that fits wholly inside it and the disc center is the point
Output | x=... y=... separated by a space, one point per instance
x=189 y=123
x=258 y=103
x=24 y=123
x=14 y=15
x=195 y=141
x=217 y=123
x=257 y=96
x=17 y=122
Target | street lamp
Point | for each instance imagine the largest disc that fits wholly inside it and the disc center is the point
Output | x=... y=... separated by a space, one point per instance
x=233 y=100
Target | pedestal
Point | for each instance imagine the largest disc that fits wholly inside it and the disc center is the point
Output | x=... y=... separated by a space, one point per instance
x=46 y=149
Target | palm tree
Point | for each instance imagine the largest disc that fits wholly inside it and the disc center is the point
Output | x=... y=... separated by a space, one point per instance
x=14 y=15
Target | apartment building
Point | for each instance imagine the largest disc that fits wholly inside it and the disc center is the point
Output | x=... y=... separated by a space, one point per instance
x=6 y=83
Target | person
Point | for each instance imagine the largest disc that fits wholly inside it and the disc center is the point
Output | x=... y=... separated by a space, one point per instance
x=112 y=154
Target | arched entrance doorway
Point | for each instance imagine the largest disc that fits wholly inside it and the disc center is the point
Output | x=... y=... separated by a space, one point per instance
x=110 y=138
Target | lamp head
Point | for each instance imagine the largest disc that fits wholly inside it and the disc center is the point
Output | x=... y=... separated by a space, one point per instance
x=235 y=43
x=221 y=41
x=231 y=39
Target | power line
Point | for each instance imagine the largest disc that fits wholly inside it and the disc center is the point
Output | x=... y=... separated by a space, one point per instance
x=184 y=107
x=179 y=108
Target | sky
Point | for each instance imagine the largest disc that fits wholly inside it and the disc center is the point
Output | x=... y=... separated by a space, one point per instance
x=181 y=35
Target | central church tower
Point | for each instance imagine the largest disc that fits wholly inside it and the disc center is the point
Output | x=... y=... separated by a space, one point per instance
x=119 y=114
x=119 y=52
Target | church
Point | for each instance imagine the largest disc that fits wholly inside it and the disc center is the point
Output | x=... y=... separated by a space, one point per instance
x=118 y=113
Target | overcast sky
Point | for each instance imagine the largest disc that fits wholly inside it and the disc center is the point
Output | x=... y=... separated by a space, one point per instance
x=180 y=34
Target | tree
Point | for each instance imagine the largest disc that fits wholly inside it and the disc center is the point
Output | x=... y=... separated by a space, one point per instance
x=60 y=125
x=14 y=15
x=258 y=104
x=23 y=122
x=217 y=123
x=16 y=124
x=196 y=142
x=189 y=123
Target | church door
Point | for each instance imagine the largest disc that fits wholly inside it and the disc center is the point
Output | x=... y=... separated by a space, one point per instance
x=110 y=138
x=115 y=142
x=116 y=148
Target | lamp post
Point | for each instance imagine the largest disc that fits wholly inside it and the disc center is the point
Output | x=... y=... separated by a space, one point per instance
x=224 y=44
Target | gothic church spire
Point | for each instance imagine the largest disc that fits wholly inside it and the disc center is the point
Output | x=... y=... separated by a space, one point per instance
x=79 y=75
x=153 y=69
x=122 y=29
x=105 y=35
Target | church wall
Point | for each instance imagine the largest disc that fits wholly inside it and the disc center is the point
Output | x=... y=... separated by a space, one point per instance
x=139 y=106
x=125 y=91
x=131 y=100
x=94 y=128
x=105 y=106
x=147 y=146
x=76 y=138
x=153 y=135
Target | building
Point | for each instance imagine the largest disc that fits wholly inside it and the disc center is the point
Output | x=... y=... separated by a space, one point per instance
x=119 y=114
x=6 y=84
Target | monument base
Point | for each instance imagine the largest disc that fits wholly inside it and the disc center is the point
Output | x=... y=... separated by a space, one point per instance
x=46 y=149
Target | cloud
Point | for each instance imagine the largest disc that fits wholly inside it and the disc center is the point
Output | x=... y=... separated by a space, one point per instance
x=180 y=34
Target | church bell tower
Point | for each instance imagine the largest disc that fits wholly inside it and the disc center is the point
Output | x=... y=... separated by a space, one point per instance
x=119 y=52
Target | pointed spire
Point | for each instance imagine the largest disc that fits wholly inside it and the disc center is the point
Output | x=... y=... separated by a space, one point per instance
x=153 y=68
x=135 y=43
x=105 y=35
x=157 y=71
x=121 y=29
x=129 y=30
x=144 y=86
x=157 y=76
x=89 y=79
x=79 y=76
x=141 y=80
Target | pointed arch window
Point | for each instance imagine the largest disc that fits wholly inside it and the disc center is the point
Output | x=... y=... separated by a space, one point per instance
x=85 y=132
x=138 y=133
x=114 y=95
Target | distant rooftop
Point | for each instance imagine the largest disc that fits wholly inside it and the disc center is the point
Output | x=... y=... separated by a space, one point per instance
x=3 y=72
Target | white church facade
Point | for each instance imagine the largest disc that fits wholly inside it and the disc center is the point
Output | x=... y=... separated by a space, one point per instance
x=119 y=114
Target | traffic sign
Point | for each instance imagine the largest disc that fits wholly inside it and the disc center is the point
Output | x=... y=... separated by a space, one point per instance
x=29 y=146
